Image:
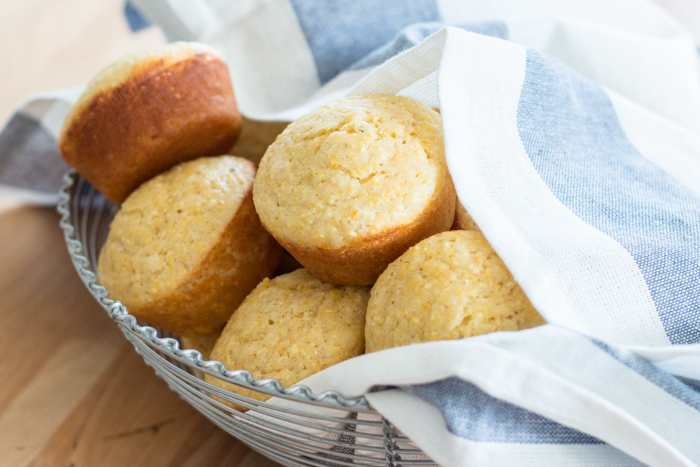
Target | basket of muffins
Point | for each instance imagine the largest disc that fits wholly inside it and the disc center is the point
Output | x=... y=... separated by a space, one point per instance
x=238 y=280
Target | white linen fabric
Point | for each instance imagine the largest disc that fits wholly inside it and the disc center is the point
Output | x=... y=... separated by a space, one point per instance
x=572 y=133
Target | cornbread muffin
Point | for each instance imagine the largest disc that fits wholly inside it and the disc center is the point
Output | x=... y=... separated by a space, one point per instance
x=204 y=344
x=187 y=246
x=291 y=327
x=463 y=221
x=350 y=186
x=147 y=112
x=449 y=286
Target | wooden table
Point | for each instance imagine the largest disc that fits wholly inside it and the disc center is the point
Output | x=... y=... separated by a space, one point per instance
x=74 y=392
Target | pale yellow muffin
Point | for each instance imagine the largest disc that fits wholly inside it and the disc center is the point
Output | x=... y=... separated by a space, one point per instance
x=463 y=221
x=291 y=327
x=147 y=112
x=449 y=286
x=187 y=246
x=347 y=188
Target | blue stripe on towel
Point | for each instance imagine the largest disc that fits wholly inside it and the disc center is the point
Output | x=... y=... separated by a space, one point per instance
x=472 y=414
x=341 y=32
x=137 y=21
x=570 y=130
x=415 y=33
x=29 y=156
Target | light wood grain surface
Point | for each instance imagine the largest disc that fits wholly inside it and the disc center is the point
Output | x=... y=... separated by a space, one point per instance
x=73 y=392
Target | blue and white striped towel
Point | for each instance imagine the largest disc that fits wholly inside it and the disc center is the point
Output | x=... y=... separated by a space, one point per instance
x=572 y=133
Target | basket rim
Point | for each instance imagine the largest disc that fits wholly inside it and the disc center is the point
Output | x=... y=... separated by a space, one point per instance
x=170 y=346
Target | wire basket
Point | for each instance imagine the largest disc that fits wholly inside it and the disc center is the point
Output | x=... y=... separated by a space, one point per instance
x=297 y=428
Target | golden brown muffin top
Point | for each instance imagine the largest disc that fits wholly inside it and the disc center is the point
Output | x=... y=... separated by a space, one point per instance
x=448 y=286
x=352 y=170
x=293 y=326
x=166 y=227
x=144 y=62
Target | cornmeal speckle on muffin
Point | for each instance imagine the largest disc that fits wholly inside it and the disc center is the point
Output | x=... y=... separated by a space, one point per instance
x=147 y=112
x=187 y=247
x=449 y=286
x=291 y=327
x=350 y=186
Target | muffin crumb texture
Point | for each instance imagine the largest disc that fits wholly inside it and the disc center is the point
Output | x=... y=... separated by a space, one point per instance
x=291 y=327
x=449 y=286
x=352 y=170
x=187 y=247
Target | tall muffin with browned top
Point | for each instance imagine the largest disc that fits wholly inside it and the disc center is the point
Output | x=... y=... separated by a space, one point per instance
x=349 y=187
x=147 y=112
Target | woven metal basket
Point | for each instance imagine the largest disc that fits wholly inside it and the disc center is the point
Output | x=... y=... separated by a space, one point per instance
x=297 y=428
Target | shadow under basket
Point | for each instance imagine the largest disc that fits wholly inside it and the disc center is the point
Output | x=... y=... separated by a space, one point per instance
x=295 y=428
